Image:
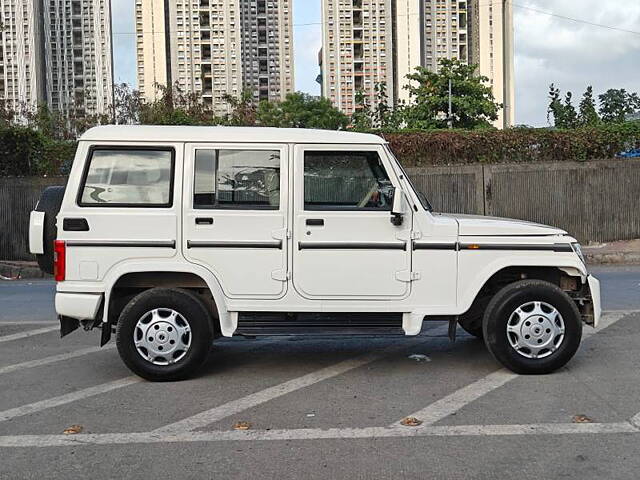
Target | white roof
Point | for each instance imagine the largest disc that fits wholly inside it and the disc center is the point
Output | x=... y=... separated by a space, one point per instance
x=157 y=133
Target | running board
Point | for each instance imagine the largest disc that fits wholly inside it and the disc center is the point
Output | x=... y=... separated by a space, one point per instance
x=255 y=324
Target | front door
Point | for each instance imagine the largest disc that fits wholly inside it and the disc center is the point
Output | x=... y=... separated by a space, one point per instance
x=234 y=218
x=344 y=244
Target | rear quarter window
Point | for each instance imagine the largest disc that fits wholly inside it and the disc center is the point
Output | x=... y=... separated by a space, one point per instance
x=128 y=177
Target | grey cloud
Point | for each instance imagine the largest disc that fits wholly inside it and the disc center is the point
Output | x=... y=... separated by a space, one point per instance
x=573 y=55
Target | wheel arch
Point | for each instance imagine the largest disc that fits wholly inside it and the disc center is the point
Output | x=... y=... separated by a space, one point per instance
x=132 y=278
x=569 y=278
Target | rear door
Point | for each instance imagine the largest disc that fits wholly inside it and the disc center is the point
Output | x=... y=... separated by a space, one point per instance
x=234 y=220
x=126 y=206
x=345 y=246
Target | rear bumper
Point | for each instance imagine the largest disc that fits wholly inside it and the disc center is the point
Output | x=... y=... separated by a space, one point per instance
x=81 y=306
x=594 y=290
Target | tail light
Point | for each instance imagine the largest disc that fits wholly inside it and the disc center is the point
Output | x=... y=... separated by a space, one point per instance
x=59 y=260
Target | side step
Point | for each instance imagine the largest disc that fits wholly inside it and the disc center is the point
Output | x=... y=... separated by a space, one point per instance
x=280 y=323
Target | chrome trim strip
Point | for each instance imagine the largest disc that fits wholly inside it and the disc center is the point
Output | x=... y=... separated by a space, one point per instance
x=122 y=243
x=434 y=246
x=352 y=245
x=556 y=247
x=233 y=244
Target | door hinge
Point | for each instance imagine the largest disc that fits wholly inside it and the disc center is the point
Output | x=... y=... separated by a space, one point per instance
x=281 y=275
x=407 y=235
x=281 y=234
x=407 y=276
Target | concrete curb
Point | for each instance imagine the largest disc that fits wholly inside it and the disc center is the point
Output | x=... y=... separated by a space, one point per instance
x=21 y=270
x=613 y=258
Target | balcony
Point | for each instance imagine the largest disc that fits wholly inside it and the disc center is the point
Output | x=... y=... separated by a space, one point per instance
x=357 y=19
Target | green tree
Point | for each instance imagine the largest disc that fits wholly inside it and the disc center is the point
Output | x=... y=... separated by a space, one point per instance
x=378 y=115
x=588 y=115
x=563 y=113
x=616 y=104
x=299 y=110
x=127 y=104
x=473 y=103
x=361 y=117
x=243 y=110
x=173 y=106
x=571 y=116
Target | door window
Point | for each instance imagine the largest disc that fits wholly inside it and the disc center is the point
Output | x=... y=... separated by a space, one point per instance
x=241 y=179
x=346 y=181
x=127 y=177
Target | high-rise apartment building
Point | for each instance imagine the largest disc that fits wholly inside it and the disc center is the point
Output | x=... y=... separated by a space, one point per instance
x=22 y=76
x=491 y=48
x=382 y=41
x=56 y=52
x=152 y=46
x=216 y=47
x=78 y=56
x=357 y=51
x=472 y=31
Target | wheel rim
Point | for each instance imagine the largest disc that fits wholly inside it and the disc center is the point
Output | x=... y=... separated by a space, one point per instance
x=162 y=336
x=535 y=329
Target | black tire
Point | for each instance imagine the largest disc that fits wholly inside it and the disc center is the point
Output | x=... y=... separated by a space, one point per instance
x=49 y=203
x=187 y=305
x=506 y=301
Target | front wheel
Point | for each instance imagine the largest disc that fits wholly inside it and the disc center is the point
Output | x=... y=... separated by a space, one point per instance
x=532 y=327
x=164 y=334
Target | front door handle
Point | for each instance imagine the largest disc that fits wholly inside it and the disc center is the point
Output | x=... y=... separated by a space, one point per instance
x=315 y=222
x=204 y=221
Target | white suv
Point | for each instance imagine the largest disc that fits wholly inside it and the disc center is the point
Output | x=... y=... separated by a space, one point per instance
x=170 y=237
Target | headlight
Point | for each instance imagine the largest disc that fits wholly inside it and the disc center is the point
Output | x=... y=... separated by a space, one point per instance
x=578 y=249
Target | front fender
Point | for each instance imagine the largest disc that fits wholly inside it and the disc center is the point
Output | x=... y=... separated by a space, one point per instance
x=476 y=267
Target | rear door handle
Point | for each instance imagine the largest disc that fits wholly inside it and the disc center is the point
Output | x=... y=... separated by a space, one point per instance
x=75 y=225
x=316 y=222
x=204 y=221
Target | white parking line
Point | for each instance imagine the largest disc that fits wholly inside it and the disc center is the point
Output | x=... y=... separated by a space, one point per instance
x=457 y=400
x=40 y=441
x=67 y=398
x=29 y=333
x=53 y=359
x=452 y=403
x=29 y=322
x=231 y=408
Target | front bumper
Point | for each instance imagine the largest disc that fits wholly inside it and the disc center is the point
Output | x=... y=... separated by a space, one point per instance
x=594 y=290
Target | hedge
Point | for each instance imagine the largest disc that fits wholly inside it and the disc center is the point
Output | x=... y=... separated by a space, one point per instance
x=516 y=145
x=27 y=152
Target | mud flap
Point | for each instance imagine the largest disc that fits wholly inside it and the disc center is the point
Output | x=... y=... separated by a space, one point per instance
x=67 y=325
x=453 y=328
x=105 y=336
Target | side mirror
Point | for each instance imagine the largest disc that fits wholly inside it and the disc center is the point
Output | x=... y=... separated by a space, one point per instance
x=397 y=211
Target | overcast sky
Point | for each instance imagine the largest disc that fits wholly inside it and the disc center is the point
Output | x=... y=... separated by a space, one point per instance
x=548 y=49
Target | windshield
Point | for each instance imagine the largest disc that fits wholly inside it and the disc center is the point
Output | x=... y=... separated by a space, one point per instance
x=421 y=196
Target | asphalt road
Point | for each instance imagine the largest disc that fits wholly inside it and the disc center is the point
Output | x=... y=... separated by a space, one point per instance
x=319 y=408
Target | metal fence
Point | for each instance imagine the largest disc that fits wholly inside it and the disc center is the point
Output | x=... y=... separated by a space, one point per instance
x=18 y=196
x=595 y=201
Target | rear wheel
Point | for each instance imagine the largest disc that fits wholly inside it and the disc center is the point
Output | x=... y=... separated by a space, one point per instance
x=164 y=334
x=532 y=327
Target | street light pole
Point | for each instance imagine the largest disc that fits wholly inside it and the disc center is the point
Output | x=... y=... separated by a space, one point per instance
x=450 y=122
